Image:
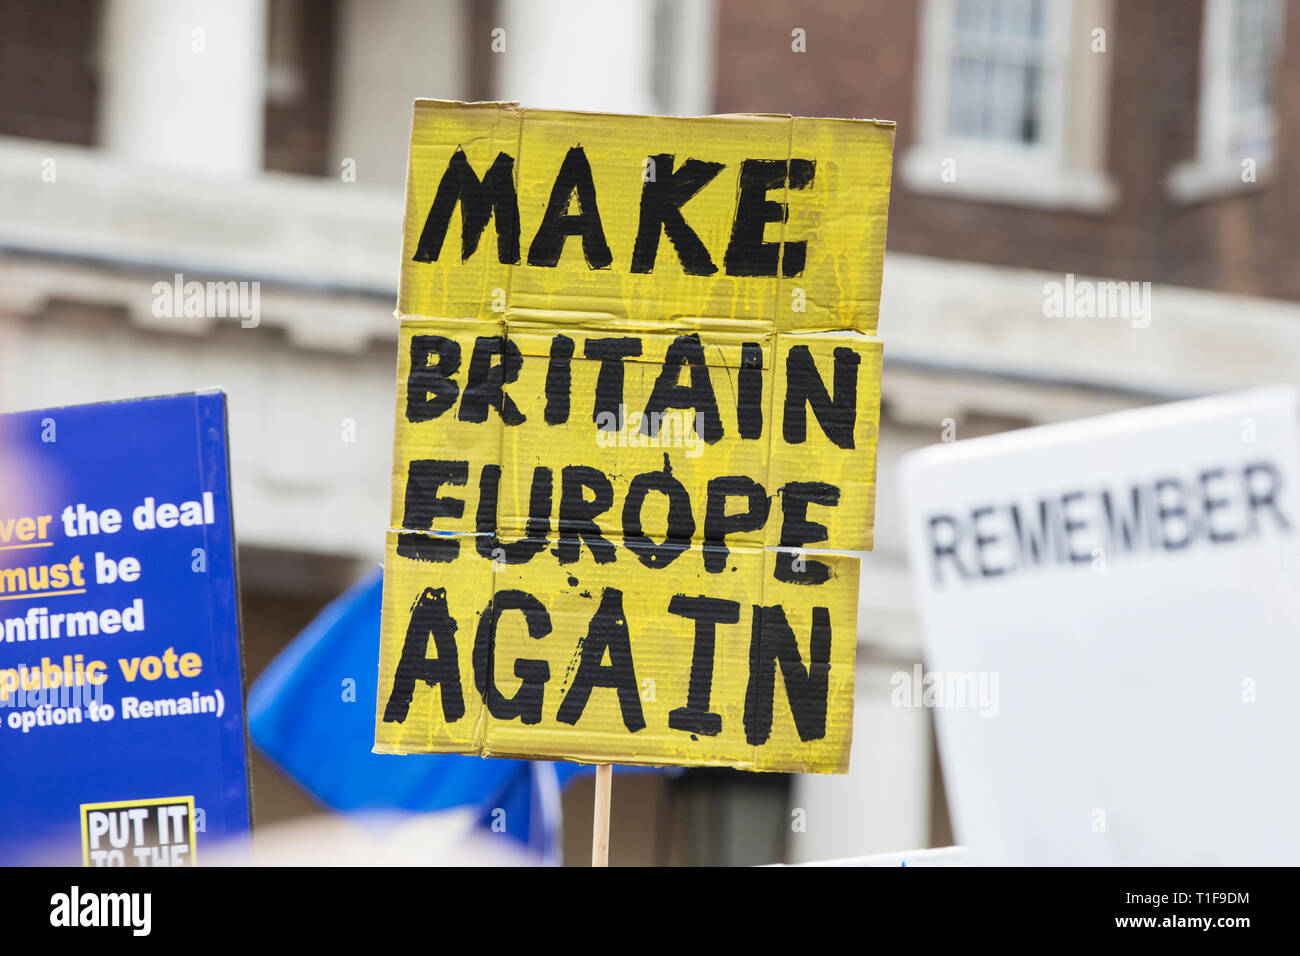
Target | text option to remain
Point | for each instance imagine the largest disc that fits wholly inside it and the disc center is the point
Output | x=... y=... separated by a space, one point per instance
x=636 y=397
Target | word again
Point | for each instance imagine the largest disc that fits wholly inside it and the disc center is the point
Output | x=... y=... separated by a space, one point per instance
x=772 y=645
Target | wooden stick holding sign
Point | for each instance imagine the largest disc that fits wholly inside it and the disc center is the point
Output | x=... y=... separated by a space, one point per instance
x=600 y=819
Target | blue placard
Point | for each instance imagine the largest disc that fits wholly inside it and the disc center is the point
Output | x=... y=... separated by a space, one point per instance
x=122 y=737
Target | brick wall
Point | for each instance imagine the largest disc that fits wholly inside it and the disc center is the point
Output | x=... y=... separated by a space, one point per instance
x=861 y=61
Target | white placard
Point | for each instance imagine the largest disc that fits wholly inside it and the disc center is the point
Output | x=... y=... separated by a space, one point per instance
x=1111 y=611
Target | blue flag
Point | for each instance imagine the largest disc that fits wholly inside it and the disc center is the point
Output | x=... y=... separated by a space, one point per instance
x=312 y=712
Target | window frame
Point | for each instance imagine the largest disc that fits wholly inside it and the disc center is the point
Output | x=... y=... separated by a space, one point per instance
x=1065 y=169
x=1214 y=170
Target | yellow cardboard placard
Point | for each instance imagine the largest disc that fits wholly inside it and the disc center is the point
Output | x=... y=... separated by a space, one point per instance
x=619 y=672
x=783 y=432
x=635 y=382
x=788 y=217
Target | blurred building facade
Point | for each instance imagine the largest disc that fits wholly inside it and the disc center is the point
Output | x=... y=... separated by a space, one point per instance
x=265 y=141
